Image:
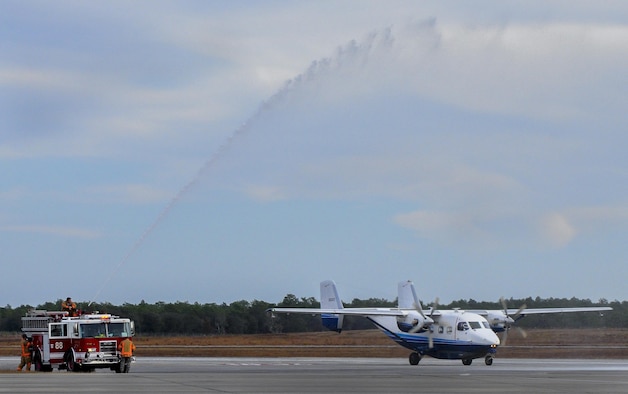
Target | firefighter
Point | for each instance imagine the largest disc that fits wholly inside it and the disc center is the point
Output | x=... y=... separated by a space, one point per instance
x=27 y=349
x=69 y=306
x=126 y=348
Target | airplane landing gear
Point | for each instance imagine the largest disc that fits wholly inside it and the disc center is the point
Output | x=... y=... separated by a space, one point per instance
x=488 y=360
x=467 y=361
x=414 y=358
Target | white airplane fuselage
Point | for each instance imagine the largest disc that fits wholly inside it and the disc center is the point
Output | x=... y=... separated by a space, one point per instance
x=454 y=335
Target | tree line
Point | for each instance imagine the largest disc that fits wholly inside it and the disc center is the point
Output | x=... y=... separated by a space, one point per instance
x=251 y=317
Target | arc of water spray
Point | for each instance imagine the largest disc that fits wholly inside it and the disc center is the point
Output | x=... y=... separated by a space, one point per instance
x=206 y=167
x=349 y=52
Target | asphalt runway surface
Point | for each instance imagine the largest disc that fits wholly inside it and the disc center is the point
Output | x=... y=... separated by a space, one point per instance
x=328 y=375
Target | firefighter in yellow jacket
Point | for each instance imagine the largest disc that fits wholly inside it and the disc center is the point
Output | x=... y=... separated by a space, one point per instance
x=127 y=349
x=27 y=349
x=69 y=306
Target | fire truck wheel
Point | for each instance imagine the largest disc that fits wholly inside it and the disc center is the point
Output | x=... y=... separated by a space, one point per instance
x=37 y=361
x=70 y=364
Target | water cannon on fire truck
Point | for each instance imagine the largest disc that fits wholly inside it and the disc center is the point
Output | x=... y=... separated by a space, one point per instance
x=79 y=343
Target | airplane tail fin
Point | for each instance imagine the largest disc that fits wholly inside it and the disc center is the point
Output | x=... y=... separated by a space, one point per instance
x=407 y=298
x=331 y=300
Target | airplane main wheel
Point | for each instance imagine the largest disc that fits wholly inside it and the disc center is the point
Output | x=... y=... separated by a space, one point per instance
x=467 y=361
x=488 y=360
x=414 y=358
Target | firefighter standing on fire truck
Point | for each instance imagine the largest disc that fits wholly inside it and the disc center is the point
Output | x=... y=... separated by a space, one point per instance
x=126 y=348
x=27 y=350
x=69 y=306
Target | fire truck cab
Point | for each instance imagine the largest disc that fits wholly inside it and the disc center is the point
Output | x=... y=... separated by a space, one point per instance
x=81 y=343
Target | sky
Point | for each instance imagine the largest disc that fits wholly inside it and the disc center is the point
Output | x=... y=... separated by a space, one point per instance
x=221 y=151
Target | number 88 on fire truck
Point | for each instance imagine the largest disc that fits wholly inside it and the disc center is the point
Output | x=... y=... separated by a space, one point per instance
x=81 y=343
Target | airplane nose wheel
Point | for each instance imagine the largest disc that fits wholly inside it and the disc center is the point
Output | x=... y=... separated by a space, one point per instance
x=414 y=358
x=488 y=360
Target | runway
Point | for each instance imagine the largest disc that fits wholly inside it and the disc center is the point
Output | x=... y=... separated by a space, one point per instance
x=328 y=375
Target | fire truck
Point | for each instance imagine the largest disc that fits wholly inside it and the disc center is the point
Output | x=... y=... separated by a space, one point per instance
x=81 y=343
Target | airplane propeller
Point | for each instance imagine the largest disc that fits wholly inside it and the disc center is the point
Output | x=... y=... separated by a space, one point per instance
x=424 y=322
x=432 y=309
x=434 y=305
x=508 y=321
x=427 y=321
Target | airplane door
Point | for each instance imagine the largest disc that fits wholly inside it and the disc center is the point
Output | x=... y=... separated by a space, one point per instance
x=462 y=330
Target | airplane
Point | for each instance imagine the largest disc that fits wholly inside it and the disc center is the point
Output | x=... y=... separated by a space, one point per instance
x=443 y=334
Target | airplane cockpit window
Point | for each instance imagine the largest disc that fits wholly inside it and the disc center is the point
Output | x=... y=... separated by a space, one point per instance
x=475 y=324
x=485 y=324
x=463 y=326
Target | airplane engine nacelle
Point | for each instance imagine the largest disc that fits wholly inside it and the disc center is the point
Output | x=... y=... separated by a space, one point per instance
x=412 y=322
x=499 y=321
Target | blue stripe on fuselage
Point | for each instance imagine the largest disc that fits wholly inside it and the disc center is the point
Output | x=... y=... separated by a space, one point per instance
x=441 y=348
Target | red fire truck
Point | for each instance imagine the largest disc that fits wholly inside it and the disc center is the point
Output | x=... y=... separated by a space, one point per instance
x=81 y=343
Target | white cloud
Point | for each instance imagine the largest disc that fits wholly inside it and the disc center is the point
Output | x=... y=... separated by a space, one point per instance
x=265 y=193
x=60 y=231
x=557 y=230
x=552 y=71
x=37 y=78
x=130 y=193
x=485 y=230
x=434 y=225
x=13 y=194
x=604 y=214
x=599 y=219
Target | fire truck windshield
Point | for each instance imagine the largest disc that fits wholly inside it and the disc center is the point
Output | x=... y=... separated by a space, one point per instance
x=119 y=329
x=95 y=330
x=102 y=329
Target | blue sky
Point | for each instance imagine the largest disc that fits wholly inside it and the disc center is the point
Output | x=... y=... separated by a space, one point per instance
x=221 y=151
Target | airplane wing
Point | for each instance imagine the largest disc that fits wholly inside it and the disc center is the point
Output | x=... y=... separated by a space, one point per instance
x=342 y=311
x=404 y=312
x=534 y=311
x=500 y=319
x=537 y=311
